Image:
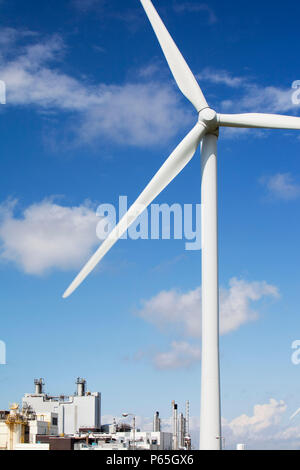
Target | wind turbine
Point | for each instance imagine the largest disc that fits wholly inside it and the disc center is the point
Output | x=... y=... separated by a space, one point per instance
x=206 y=130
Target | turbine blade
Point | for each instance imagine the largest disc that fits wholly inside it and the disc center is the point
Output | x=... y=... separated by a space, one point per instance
x=179 y=68
x=295 y=414
x=178 y=159
x=257 y=120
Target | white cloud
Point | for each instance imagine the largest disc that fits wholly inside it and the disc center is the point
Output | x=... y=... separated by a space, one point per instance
x=281 y=186
x=143 y=112
x=264 y=416
x=47 y=236
x=181 y=354
x=136 y=113
x=182 y=312
x=235 y=302
x=290 y=436
x=184 y=309
x=264 y=429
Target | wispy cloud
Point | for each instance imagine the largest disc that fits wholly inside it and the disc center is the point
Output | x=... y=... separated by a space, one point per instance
x=181 y=354
x=220 y=77
x=86 y=5
x=269 y=99
x=136 y=113
x=249 y=96
x=245 y=95
x=194 y=7
x=8 y=36
x=133 y=17
x=141 y=112
x=281 y=186
x=47 y=236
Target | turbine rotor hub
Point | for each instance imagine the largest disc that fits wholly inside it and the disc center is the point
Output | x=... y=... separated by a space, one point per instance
x=209 y=118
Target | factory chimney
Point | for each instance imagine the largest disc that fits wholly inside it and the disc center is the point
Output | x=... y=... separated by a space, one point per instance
x=187 y=437
x=181 y=430
x=156 y=422
x=80 y=387
x=39 y=383
x=175 y=425
x=187 y=418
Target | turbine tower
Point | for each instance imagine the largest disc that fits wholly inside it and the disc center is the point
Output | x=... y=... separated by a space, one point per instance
x=206 y=130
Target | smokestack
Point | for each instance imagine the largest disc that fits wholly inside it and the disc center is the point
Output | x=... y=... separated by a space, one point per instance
x=80 y=387
x=187 y=418
x=181 y=430
x=175 y=426
x=156 y=422
x=39 y=386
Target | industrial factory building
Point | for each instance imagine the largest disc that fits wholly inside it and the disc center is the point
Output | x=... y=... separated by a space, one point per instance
x=22 y=427
x=79 y=411
x=73 y=422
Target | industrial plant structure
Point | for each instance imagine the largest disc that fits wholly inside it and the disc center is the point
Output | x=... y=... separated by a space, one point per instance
x=79 y=411
x=180 y=423
x=73 y=422
x=20 y=428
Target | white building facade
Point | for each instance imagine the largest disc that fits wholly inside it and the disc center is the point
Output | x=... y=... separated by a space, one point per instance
x=78 y=411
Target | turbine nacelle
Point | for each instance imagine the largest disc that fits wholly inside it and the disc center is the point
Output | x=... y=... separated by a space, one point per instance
x=209 y=119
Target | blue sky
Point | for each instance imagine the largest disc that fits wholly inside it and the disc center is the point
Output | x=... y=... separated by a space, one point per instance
x=92 y=112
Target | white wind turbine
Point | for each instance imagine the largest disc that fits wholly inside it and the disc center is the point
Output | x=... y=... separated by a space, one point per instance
x=206 y=131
